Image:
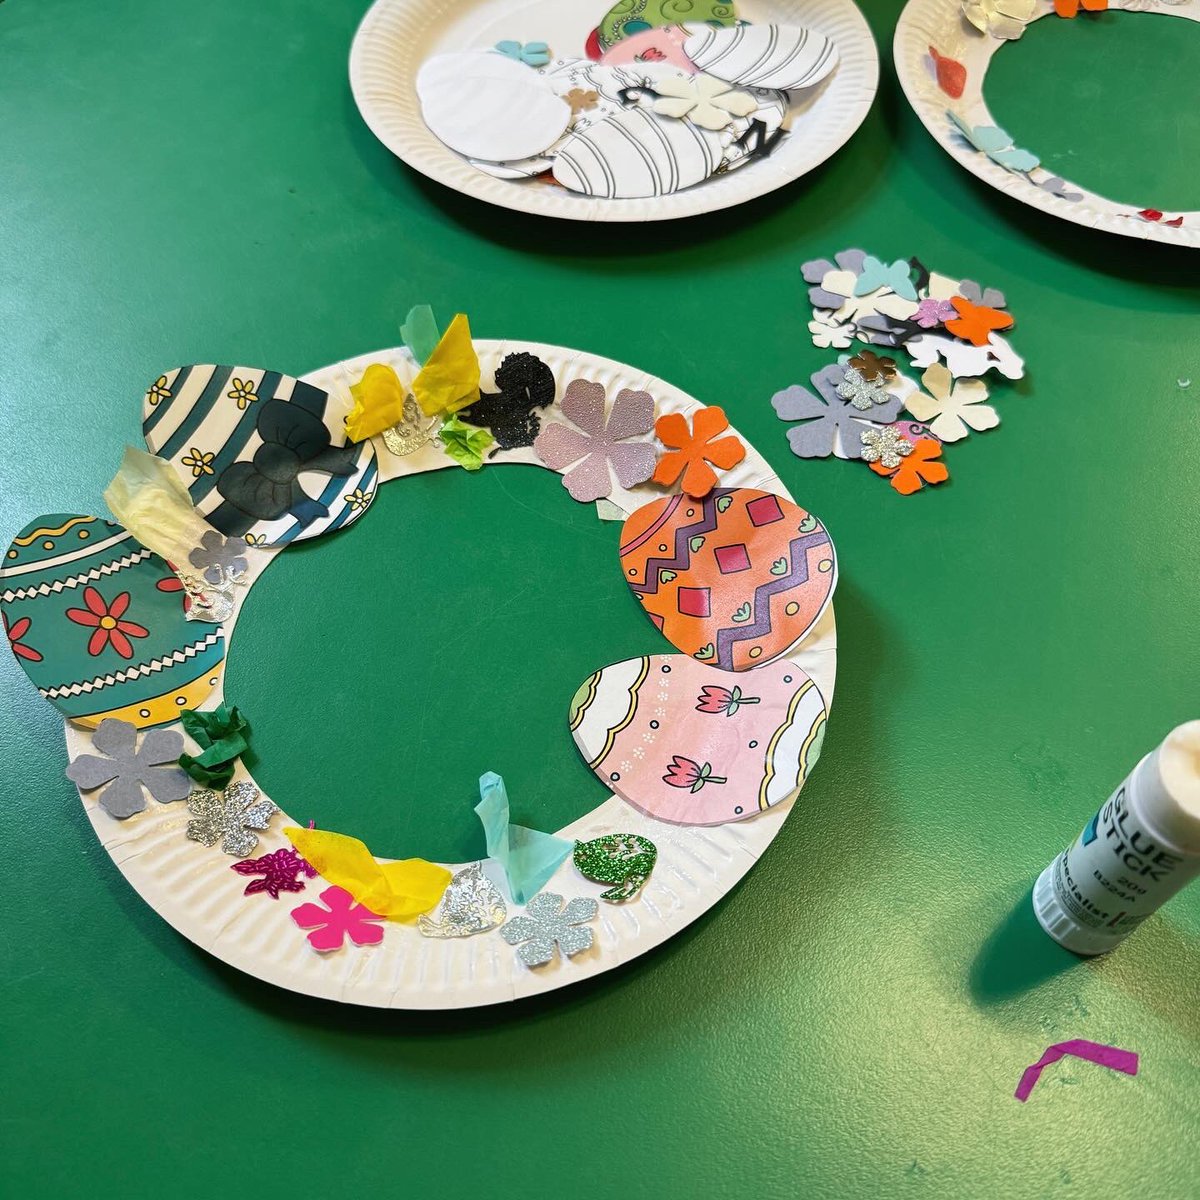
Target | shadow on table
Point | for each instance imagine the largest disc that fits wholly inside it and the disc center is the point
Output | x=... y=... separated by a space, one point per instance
x=1017 y=957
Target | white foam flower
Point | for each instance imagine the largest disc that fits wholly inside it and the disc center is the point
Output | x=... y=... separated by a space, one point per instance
x=1001 y=18
x=828 y=335
x=708 y=102
x=951 y=409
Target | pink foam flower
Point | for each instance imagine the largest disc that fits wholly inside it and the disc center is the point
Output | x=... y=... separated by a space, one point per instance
x=341 y=918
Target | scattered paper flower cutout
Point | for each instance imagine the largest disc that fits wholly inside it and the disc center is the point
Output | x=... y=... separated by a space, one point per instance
x=221 y=733
x=705 y=100
x=220 y=557
x=581 y=100
x=472 y=904
x=815 y=270
x=16 y=632
x=989 y=297
x=830 y=335
x=526 y=384
x=1069 y=9
x=997 y=145
x=229 y=817
x=108 y=622
x=963 y=358
x=932 y=313
x=917 y=469
x=548 y=927
x=872 y=366
x=952 y=409
x=950 y=74
x=464 y=443
x=723 y=700
x=1112 y=1057
x=532 y=54
x=863 y=393
x=694 y=449
x=622 y=859
x=831 y=424
x=128 y=769
x=886 y=446
x=597 y=443
x=280 y=871
x=894 y=277
x=1001 y=18
x=341 y=918
x=976 y=323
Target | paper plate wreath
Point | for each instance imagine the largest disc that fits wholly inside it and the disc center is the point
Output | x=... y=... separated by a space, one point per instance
x=943 y=49
x=124 y=628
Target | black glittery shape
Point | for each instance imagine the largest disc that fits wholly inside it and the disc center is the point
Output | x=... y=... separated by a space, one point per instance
x=525 y=384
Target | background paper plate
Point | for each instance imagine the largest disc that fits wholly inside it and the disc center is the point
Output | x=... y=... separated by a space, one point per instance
x=192 y=887
x=396 y=36
x=940 y=24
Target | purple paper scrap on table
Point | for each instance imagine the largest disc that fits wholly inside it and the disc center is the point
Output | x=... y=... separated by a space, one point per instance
x=1105 y=1056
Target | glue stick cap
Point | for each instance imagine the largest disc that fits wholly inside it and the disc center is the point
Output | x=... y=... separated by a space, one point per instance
x=1168 y=795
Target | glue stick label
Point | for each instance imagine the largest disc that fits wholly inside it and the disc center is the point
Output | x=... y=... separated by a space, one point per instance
x=1116 y=873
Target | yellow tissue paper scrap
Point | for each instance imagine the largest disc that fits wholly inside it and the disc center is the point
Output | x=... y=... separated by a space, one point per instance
x=148 y=497
x=397 y=890
x=449 y=380
x=378 y=402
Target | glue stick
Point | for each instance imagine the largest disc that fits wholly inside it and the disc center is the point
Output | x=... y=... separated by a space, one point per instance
x=1132 y=856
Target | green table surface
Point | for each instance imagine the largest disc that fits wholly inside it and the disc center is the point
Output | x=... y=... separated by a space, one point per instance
x=193 y=183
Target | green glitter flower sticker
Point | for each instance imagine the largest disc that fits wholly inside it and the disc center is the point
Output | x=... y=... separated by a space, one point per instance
x=623 y=859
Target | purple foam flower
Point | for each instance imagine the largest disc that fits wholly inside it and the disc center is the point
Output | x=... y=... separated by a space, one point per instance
x=594 y=443
x=931 y=313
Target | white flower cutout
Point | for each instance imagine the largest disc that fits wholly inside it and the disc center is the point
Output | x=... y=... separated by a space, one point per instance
x=829 y=335
x=705 y=101
x=951 y=409
x=1001 y=18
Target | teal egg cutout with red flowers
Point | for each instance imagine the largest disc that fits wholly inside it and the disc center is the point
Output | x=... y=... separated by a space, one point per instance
x=98 y=624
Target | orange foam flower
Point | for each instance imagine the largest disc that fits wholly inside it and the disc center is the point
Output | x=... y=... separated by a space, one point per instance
x=918 y=469
x=1069 y=8
x=975 y=323
x=694 y=449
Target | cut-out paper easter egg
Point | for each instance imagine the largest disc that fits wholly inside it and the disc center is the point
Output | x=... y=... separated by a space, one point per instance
x=264 y=456
x=97 y=622
x=637 y=154
x=766 y=56
x=733 y=580
x=689 y=744
x=489 y=106
x=628 y=18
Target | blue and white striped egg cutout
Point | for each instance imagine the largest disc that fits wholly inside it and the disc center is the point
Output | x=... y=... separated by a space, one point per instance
x=765 y=56
x=264 y=456
x=637 y=154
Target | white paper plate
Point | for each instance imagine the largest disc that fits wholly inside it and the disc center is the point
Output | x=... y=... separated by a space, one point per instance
x=396 y=36
x=192 y=887
x=941 y=25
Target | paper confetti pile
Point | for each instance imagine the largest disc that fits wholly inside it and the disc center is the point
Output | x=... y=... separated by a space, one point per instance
x=654 y=108
x=950 y=328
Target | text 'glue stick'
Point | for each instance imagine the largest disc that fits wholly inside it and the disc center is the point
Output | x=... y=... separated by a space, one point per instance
x=1132 y=856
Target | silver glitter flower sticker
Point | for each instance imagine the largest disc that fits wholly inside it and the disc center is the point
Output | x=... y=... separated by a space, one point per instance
x=548 y=927
x=228 y=818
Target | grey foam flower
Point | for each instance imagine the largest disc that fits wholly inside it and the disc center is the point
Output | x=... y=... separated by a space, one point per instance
x=228 y=818
x=1056 y=185
x=815 y=271
x=547 y=925
x=831 y=424
x=220 y=557
x=128 y=769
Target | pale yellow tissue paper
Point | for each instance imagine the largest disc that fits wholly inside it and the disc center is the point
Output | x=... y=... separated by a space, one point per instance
x=147 y=496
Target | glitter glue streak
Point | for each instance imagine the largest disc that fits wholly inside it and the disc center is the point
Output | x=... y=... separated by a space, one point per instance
x=1132 y=856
